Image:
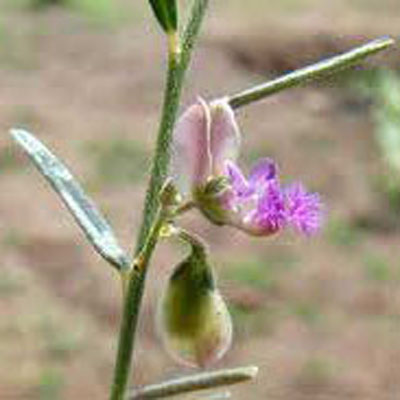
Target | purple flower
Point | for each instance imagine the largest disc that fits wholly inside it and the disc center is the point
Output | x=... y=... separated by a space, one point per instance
x=264 y=206
x=205 y=147
x=304 y=209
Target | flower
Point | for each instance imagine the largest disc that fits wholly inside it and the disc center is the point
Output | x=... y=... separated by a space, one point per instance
x=263 y=206
x=206 y=144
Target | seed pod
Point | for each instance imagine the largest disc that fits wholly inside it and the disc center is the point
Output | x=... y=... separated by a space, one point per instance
x=194 y=321
x=166 y=12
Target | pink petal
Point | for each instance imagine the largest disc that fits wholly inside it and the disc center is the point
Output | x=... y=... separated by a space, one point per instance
x=224 y=135
x=190 y=158
x=238 y=181
x=265 y=170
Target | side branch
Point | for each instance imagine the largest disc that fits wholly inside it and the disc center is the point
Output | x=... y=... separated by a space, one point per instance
x=311 y=72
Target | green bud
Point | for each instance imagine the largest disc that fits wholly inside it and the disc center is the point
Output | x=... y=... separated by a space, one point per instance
x=166 y=12
x=209 y=199
x=216 y=186
x=169 y=195
x=194 y=321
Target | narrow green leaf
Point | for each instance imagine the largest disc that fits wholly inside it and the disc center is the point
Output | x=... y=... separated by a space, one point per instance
x=197 y=382
x=311 y=72
x=166 y=12
x=93 y=224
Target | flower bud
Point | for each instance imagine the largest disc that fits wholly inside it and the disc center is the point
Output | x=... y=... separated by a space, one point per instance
x=166 y=12
x=169 y=195
x=194 y=321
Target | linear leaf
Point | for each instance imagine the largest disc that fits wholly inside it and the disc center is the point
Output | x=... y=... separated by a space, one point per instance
x=83 y=209
x=166 y=12
x=192 y=383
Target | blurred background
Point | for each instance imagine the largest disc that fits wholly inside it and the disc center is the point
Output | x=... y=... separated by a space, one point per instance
x=320 y=317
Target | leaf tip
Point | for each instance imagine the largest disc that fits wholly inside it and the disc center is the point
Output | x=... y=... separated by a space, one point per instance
x=252 y=371
x=20 y=135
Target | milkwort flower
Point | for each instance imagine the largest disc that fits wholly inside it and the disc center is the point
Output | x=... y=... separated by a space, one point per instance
x=206 y=144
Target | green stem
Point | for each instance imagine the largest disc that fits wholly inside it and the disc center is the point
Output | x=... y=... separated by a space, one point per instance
x=321 y=69
x=184 y=208
x=202 y=381
x=193 y=240
x=177 y=66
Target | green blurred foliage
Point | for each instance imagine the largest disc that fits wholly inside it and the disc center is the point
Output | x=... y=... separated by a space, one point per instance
x=383 y=86
x=118 y=161
x=10 y=283
x=257 y=281
x=261 y=322
x=12 y=238
x=17 y=48
x=254 y=273
x=316 y=372
x=27 y=116
x=60 y=345
x=342 y=233
x=377 y=268
x=45 y=3
x=100 y=11
x=308 y=312
x=260 y=273
x=50 y=384
x=8 y=160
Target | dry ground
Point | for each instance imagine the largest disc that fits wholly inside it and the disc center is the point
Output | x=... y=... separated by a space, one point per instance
x=320 y=317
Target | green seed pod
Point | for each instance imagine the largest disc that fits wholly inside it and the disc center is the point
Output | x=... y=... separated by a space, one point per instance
x=166 y=12
x=193 y=319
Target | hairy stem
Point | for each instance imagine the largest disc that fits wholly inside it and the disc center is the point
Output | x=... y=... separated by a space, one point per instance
x=315 y=71
x=177 y=66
